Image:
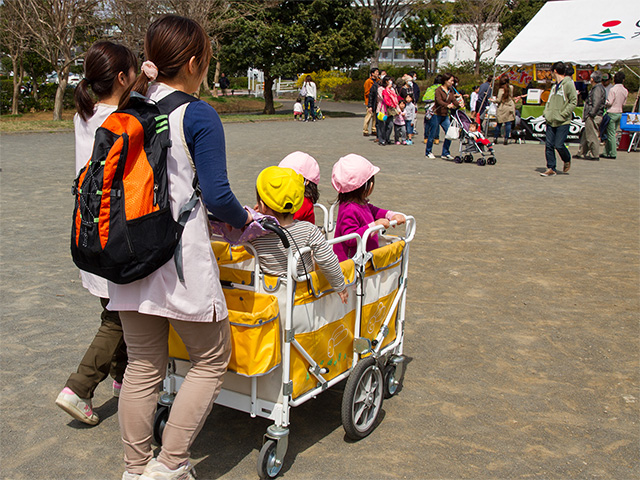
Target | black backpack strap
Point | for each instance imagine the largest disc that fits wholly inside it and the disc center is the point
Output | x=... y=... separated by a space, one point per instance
x=172 y=101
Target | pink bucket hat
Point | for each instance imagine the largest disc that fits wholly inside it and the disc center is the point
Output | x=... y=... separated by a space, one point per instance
x=304 y=164
x=351 y=172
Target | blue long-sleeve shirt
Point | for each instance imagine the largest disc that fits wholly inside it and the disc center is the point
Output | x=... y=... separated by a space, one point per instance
x=205 y=139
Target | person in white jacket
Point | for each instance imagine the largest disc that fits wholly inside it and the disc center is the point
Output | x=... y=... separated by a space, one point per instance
x=108 y=70
x=310 y=96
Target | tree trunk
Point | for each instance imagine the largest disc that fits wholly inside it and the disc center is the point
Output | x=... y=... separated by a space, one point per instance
x=63 y=78
x=17 y=81
x=376 y=58
x=478 y=49
x=216 y=78
x=269 y=109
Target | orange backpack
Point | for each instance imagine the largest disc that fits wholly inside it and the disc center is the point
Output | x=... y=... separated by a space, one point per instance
x=123 y=228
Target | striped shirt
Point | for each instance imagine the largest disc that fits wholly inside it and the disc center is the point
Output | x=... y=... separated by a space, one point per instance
x=273 y=256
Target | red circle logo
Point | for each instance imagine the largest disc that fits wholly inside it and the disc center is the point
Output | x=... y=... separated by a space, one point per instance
x=611 y=23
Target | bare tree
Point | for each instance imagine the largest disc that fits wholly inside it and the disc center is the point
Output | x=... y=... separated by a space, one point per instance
x=386 y=15
x=132 y=18
x=217 y=17
x=54 y=26
x=480 y=30
x=13 y=38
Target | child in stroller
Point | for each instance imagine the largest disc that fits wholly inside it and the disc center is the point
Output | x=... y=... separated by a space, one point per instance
x=472 y=141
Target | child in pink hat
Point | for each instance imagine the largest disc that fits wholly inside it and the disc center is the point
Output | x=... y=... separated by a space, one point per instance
x=353 y=178
x=305 y=165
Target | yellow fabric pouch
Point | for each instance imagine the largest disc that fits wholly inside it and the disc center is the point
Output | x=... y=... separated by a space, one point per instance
x=255 y=333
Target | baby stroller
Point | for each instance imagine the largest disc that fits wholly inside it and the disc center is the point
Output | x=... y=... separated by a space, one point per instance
x=318 y=112
x=468 y=145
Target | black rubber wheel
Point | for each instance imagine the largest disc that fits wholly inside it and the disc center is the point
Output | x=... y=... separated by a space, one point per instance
x=491 y=161
x=159 y=422
x=468 y=158
x=457 y=159
x=481 y=161
x=267 y=465
x=362 y=399
x=392 y=384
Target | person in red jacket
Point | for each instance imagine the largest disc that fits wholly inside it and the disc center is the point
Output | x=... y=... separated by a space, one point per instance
x=305 y=165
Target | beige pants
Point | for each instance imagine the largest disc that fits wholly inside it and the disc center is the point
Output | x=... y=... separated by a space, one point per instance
x=590 y=141
x=369 y=120
x=146 y=336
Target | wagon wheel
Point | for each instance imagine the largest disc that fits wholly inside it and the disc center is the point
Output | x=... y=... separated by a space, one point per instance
x=362 y=399
x=268 y=465
x=392 y=384
x=159 y=422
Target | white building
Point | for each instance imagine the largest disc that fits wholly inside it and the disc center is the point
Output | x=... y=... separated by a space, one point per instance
x=462 y=36
x=395 y=50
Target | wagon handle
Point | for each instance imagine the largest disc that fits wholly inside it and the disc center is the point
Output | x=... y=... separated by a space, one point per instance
x=275 y=228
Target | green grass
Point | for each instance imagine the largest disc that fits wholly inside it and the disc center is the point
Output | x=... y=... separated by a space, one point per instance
x=237 y=109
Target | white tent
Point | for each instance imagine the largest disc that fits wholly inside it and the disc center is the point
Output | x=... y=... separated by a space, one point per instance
x=584 y=32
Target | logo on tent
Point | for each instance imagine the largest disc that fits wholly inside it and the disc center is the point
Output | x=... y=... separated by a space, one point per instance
x=604 y=35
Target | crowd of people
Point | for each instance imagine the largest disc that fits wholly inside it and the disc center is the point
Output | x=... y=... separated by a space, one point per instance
x=392 y=107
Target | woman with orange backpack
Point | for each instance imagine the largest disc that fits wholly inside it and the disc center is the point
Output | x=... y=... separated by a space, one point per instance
x=178 y=52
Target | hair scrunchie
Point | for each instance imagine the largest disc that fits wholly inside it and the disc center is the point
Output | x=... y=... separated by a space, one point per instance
x=150 y=70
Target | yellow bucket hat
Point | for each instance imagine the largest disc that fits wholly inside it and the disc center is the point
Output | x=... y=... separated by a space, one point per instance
x=281 y=189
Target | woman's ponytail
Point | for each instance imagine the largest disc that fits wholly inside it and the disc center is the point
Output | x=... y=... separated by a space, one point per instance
x=84 y=102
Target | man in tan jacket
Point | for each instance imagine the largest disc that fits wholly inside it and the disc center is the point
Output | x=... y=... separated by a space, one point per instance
x=369 y=118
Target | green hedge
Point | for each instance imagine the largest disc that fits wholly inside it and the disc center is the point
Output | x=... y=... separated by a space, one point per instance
x=46 y=98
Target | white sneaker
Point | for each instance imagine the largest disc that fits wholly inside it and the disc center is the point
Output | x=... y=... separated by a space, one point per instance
x=430 y=155
x=447 y=157
x=130 y=476
x=79 y=408
x=157 y=471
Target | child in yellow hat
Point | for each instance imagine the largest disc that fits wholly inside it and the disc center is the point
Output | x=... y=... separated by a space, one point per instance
x=280 y=193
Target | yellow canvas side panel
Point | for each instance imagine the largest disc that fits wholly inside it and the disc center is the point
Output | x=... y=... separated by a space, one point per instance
x=255 y=350
x=331 y=347
x=384 y=257
x=373 y=315
x=226 y=254
x=176 y=347
x=255 y=333
x=320 y=285
x=222 y=251
x=235 y=275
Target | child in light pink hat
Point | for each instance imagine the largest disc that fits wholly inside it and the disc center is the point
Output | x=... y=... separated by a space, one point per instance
x=353 y=178
x=305 y=165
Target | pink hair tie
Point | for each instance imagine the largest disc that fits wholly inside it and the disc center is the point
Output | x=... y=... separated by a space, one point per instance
x=150 y=70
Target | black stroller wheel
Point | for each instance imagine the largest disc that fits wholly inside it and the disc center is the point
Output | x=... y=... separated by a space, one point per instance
x=468 y=158
x=491 y=161
x=481 y=162
x=457 y=159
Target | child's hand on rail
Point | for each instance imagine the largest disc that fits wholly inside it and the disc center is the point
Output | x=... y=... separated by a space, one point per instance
x=344 y=295
x=382 y=221
x=398 y=217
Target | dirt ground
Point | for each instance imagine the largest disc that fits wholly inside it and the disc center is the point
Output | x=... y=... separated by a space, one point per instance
x=522 y=320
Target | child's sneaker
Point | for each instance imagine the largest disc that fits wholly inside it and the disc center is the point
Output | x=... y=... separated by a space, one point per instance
x=397 y=143
x=116 y=389
x=78 y=408
x=157 y=471
x=409 y=142
x=404 y=142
